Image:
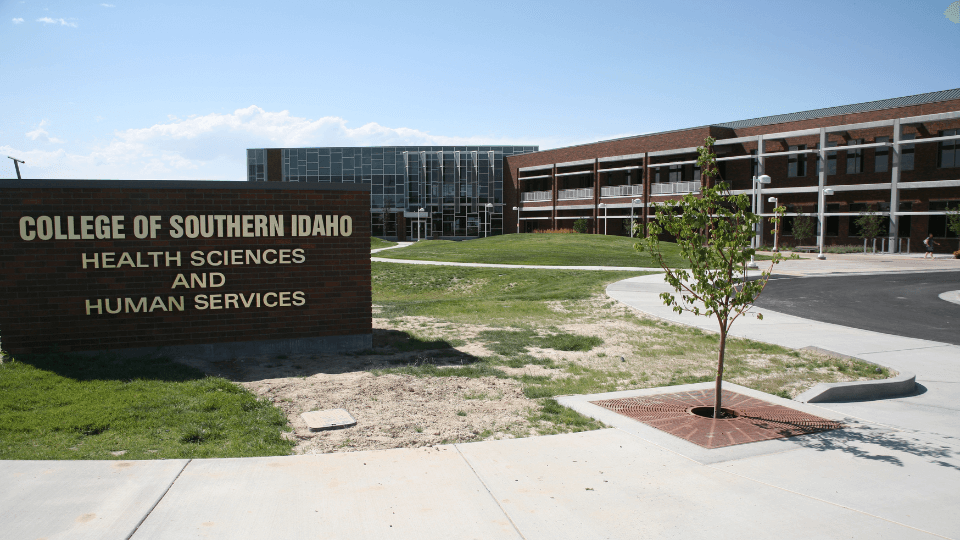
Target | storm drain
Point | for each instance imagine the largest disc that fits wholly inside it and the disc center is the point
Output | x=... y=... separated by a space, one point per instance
x=753 y=419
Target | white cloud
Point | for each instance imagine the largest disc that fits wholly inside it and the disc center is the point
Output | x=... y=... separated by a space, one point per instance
x=61 y=22
x=213 y=146
x=108 y=5
x=18 y=20
x=42 y=134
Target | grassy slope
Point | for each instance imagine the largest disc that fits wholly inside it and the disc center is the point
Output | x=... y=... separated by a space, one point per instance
x=482 y=295
x=377 y=243
x=539 y=249
x=75 y=407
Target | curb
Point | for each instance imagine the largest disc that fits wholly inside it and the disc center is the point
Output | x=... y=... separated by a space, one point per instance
x=901 y=385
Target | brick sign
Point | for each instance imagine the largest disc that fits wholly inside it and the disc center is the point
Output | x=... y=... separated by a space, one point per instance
x=216 y=268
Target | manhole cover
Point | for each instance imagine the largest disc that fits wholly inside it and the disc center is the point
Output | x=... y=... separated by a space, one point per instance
x=755 y=420
x=328 y=419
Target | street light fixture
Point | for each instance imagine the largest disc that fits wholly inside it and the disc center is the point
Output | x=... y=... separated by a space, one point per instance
x=633 y=203
x=604 y=206
x=823 y=226
x=776 y=232
x=757 y=206
x=420 y=211
x=517 y=210
x=489 y=207
x=16 y=163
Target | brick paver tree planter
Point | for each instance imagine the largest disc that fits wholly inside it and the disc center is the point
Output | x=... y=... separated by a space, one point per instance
x=713 y=232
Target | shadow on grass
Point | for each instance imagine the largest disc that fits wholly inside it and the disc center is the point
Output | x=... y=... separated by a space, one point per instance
x=108 y=367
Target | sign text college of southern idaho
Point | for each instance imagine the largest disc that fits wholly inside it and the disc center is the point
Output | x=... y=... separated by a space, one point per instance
x=114 y=265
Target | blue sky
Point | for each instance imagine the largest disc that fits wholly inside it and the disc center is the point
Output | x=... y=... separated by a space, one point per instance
x=179 y=90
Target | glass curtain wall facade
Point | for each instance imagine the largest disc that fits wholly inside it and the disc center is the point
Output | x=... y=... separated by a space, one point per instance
x=452 y=184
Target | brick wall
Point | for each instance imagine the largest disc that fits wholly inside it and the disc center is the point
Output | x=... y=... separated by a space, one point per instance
x=47 y=291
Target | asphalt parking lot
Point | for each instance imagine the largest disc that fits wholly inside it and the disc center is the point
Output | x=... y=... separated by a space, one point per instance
x=901 y=304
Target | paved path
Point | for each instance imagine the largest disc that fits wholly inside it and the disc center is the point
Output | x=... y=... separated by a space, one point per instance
x=892 y=474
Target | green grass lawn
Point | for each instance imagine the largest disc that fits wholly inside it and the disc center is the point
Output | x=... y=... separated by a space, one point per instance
x=539 y=249
x=377 y=243
x=67 y=406
x=482 y=295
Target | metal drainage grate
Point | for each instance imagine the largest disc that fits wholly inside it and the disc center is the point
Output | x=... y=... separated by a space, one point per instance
x=755 y=420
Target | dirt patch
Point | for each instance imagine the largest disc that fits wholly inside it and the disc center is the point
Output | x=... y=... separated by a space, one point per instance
x=414 y=408
x=397 y=411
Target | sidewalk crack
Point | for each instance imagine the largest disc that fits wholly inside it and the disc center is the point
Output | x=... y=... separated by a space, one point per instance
x=484 y=484
x=160 y=498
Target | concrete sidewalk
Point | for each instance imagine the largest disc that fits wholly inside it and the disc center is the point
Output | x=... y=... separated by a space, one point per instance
x=893 y=473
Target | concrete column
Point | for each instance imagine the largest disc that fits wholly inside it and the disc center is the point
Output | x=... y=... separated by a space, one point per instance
x=821 y=183
x=553 y=183
x=596 y=196
x=894 y=187
x=758 y=200
x=646 y=192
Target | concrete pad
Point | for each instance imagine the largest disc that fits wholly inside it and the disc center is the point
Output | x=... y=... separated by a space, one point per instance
x=99 y=500
x=417 y=493
x=581 y=404
x=935 y=412
x=886 y=473
x=610 y=484
x=328 y=419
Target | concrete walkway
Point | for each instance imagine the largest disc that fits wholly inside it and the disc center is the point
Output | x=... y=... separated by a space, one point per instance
x=894 y=473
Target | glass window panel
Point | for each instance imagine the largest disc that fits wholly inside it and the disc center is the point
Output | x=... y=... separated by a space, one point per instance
x=907 y=152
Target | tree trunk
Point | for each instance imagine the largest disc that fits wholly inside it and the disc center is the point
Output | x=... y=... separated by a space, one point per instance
x=717 y=387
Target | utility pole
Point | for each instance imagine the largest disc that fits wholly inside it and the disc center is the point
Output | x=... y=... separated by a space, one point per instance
x=16 y=163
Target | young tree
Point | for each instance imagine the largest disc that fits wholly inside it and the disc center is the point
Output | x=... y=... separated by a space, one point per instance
x=803 y=228
x=713 y=233
x=869 y=224
x=953 y=220
x=581 y=225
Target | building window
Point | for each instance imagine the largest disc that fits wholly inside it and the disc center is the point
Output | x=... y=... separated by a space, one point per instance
x=937 y=225
x=797 y=163
x=696 y=173
x=906 y=152
x=881 y=155
x=656 y=175
x=754 y=164
x=832 y=222
x=949 y=155
x=855 y=157
x=831 y=160
x=676 y=173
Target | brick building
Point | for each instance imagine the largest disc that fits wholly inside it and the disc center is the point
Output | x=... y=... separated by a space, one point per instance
x=899 y=157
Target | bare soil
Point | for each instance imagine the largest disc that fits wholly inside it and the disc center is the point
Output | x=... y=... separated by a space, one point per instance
x=400 y=410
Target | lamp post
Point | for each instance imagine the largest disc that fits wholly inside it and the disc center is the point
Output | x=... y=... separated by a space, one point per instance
x=776 y=232
x=16 y=165
x=517 y=210
x=420 y=211
x=757 y=207
x=489 y=208
x=633 y=203
x=604 y=206
x=823 y=228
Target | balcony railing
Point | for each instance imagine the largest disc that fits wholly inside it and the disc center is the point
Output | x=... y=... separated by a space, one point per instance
x=621 y=191
x=536 y=196
x=670 y=188
x=571 y=194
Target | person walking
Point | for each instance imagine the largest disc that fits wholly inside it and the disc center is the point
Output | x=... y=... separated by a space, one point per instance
x=929 y=243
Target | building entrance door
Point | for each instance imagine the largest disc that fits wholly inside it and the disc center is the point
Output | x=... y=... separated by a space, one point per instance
x=417 y=229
